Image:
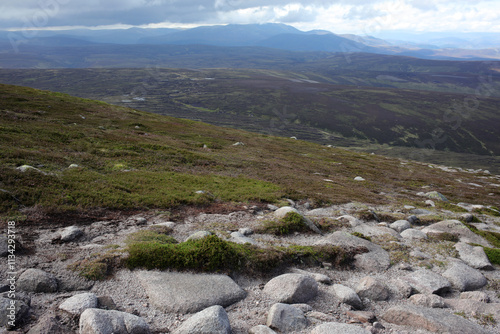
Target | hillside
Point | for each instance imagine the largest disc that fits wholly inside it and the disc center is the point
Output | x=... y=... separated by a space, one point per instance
x=131 y=160
x=370 y=110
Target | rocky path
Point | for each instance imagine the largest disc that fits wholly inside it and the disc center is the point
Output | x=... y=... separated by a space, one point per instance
x=423 y=272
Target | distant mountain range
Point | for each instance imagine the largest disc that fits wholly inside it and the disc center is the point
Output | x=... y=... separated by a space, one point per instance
x=277 y=36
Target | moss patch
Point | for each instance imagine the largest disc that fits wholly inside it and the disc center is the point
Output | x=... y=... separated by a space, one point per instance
x=291 y=223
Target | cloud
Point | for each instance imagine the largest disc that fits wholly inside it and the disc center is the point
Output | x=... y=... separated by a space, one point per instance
x=336 y=15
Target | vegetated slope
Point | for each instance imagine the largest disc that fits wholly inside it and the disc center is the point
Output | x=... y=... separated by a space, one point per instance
x=293 y=104
x=128 y=159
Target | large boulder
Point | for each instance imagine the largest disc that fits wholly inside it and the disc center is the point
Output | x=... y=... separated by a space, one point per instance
x=283 y=211
x=78 y=303
x=376 y=259
x=427 y=282
x=36 y=280
x=189 y=293
x=347 y=295
x=292 y=288
x=473 y=256
x=400 y=225
x=286 y=318
x=431 y=319
x=97 y=321
x=463 y=277
x=458 y=228
x=338 y=328
x=372 y=288
x=211 y=320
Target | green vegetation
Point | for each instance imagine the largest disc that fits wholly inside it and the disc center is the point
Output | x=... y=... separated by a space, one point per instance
x=291 y=223
x=132 y=160
x=493 y=255
x=212 y=254
x=99 y=265
x=361 y=235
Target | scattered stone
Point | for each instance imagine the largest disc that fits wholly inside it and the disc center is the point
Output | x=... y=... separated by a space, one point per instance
x=272 y=207
x=409 y=207
x=432 y=300
x=238 y=144
x=246 y=231
x=239 y=238
x=436 y=195
x=414 y=220
x=74 y=282
x=359 y=178
x=320 y=278
x=338 y=328
x=97 y=321
x=286 y=318
x=79 y=303
x=467 y=217
x=419 y=255
x=70 y=233
x=48 y=324
x=188 y=293
x=141 y=221
x=361 y=316
x=371 y=288
x=430 y=203
x=458 y=228
x=25 y=168
x=400 y=289
x=36 y=280
x=474 y=307
x=431 y=319
x=413 y=234
x=199 y=235
x=475 y=295
x=347 y=295
x=377 y=259
x=427 y=282
x=212 y=320
x=261 y=329
x=13 y=318
x=473 y=256
x=400 y=225
x=106 y=303
x=353 y=221
x=282 y=212
x=421 y=212
x=292 y=288
x=463 y=277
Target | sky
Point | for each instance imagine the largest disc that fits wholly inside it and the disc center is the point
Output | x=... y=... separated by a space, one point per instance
x=364 y=17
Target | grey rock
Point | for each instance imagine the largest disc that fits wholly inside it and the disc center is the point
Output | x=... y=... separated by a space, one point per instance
x=436 y=195
x=188 y=293
x=463 y=277
x=421 y=212
x=419 y=254
x=78 y=303
x=377 y=259
x=400 y=289
x=292 y=288
x=286 y=318
x=413 y=234
x=97 y=321
x=361 y=316
x=261 y=329
x=413 y=220
x=431 y=319
x=13 y=312
x=371 y=288
x=473 y=256
x=211 y=320
x=427 y=282
x=25 y=168
x=106 y=303
x=373 y=231
x=458 y=228
x=347 y=295
x=4 y=246
x=432 y=300
x=467 y=217
x=199 y=235
x=272 y=207
x=71 y=233
x=36 y=280
x=470 y=306
x=306 y=308
x=283 y=211
x=400 y=225
x=338 y=328
x=320 y=278
x=246 y=231
x=239 y=238
x=475 y=295
x=48 y=324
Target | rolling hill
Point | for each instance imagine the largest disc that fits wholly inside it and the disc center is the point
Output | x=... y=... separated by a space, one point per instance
x=66 y=155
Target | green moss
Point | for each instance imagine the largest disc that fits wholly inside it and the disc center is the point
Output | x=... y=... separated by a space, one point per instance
x=291 y=223
x=492 y=237
x=98 y=266
x=150 y=236
x=212 y=254
x=361 y=235
x=493 y=255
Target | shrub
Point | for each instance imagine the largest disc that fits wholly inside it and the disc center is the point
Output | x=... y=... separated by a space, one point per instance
x=291 y=223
